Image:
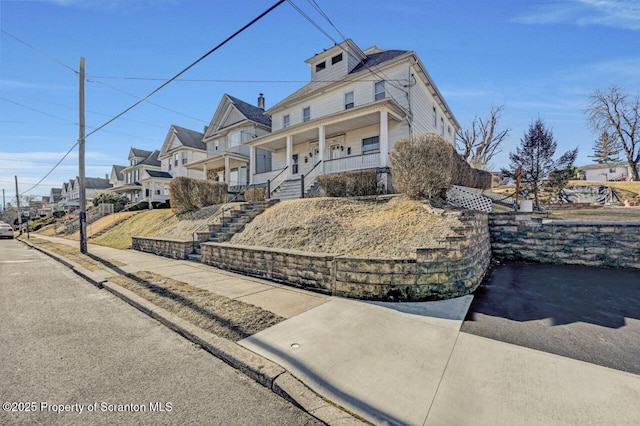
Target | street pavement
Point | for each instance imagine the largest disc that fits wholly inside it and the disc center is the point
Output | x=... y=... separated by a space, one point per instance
x=409 y=363
x=76 y=355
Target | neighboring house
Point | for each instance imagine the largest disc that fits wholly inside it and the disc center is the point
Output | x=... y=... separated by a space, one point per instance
x=606 y=172
x=180 y=147
x=141 y=162
x=54 y=198
x=234 y=123
x=116 y=178
x=348 y=117
x=70 y=192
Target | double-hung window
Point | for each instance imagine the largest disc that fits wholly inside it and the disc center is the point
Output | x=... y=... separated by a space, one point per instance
x=185 y=158
x=348 y=100
x=379 y=92
x=370 y=145
x=285 y=121
x=306 y=114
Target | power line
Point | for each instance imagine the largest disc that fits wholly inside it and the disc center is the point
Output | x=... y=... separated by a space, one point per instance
x=152 y=103
x=37 y=110
x=231 y=37
x=39 y=51
x=314 y=23
x=317 y=7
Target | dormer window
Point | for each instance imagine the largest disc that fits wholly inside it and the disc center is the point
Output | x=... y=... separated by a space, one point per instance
x=322 y=65
x=336 y=59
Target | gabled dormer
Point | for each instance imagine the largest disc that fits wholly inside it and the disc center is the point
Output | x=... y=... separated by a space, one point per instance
x=335 y=62
x=137 y=155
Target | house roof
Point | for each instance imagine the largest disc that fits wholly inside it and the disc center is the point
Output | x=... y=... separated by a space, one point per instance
x=56 y=191
x=152 y=159
x=252 y=113
x=118 y=170
x=190 y=138
x=158 y=174
x=141 y=153
x=375 y=59
x=96 y=183
x=604 y=165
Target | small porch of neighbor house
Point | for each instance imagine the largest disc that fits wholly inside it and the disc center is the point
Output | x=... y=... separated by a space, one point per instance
x=355 y=139
x=226 y=167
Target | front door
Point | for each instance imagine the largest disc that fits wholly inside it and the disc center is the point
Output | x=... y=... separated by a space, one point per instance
x=335 y=151
x=294 y=164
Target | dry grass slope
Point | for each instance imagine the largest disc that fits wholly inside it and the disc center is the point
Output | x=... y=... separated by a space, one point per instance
x=392 y=227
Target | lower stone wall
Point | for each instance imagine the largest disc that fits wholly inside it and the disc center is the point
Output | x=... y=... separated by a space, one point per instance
x=454 y=268
x=518 y=236
x=175 y=249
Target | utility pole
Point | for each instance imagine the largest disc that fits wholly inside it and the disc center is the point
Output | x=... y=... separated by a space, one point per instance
x=18 y=203
x=4 y=204
x=83 y=201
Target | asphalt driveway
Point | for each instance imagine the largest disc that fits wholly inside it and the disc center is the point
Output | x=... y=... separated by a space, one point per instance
x=590 y=314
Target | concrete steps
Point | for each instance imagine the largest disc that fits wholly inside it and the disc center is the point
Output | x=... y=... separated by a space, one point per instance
x=234 y=221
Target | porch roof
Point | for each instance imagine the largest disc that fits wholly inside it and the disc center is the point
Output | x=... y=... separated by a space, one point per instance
x=211 y=161
x=337 y=123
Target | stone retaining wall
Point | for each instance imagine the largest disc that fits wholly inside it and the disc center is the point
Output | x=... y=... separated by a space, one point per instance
x=175 y=249
x=518 y=236
x=454 y=268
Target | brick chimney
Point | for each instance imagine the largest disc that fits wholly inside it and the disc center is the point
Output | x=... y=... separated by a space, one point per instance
x=261 y=101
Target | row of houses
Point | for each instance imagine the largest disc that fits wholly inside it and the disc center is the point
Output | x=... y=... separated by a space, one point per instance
x=357 y=104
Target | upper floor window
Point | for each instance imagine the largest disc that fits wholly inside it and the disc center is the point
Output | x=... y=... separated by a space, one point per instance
x=442 y=126
x=306 y=114
x=216 y=145
x=612 y=170
x=371 y=145
x=322 y=65
x=285 y=121
x=185 y=158
x=336 y=59
x=435 y=117
x=169 y=164
x=348 y=100
x=379 y=91
x=175 y=160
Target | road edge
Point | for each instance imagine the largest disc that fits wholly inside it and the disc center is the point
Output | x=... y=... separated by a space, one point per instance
x=266 y=372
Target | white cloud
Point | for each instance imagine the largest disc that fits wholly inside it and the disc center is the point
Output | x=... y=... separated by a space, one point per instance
x=113 y=5
x=623 y=14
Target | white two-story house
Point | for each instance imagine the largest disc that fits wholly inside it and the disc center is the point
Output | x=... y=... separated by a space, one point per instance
x=233 y=124
x=143 y=177
x=348 y=117
x=180 y=147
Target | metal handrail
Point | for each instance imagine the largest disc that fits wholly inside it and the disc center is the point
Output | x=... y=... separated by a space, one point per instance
x=278 y=180
x=311 y=176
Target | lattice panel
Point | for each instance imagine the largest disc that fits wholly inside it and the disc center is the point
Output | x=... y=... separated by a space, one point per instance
x=457 y=196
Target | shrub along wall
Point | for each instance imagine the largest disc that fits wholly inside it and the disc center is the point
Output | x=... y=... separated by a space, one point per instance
x=454 y=268
x=518 y=236
x=350 y=184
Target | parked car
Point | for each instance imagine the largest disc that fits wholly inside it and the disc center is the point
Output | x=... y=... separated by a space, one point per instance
x=6 y=231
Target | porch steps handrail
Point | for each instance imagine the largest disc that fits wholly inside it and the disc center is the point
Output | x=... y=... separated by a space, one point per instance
x=311 y=176
x=278 y=180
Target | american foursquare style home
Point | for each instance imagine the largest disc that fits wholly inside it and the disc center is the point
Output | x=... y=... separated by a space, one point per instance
x=348 y=117
x=357 y=104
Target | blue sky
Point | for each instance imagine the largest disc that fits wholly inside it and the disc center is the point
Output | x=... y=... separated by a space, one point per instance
x=538 y=58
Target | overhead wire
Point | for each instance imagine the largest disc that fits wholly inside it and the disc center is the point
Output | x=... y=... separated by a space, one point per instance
x=225 y=41
x=59 y=62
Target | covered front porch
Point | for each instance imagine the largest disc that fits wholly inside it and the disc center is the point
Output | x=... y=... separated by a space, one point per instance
x=226 y=167
x=353 y=139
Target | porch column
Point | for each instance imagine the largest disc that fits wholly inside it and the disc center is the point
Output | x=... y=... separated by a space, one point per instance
x=289 y=154
x=384 y=139
x=227 y=171
x=252 y=163
x=321 y=143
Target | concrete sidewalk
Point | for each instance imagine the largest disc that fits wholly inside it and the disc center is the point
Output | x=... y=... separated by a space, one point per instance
x=408 y=363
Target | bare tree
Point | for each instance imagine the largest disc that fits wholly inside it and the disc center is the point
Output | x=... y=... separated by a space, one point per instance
x=619 y=113
x=481 y=142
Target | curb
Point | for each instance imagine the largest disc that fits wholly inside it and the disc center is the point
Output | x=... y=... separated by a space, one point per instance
x=262 y=370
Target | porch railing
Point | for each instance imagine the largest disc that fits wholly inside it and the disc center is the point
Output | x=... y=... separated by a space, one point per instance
x=259 y=178
x=356 y=162
x=277 y=180
x=310 y=177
